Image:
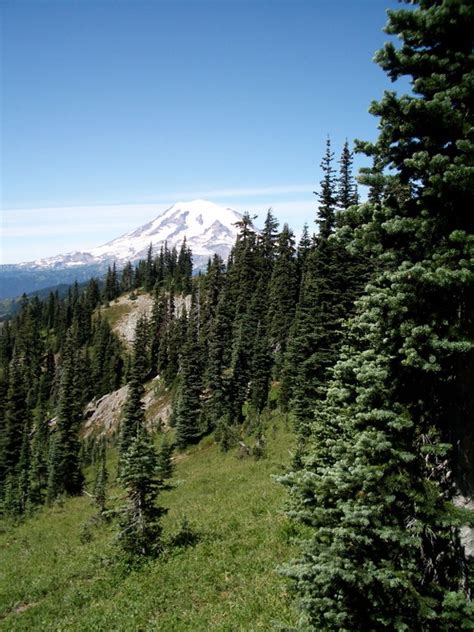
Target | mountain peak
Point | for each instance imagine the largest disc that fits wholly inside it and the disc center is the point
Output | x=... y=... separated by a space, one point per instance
x=208 y=228
x=192 y=220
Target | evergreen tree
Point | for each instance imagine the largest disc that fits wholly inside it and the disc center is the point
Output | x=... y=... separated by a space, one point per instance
x=212 y=285
x=164 y=464
x=65 y=474
x=140 y=523
x=347 y=187
x=92 y=295
x=16 y=418
x=242 y=267
x=149 y=276
x=158 y=323
x=304 y=248
x=141 y=349
x=112 y=286
x=188 y=412
x=327 y=194
x=127 y=278
x=24 y=466
x=375 y=484
x=216 y=376
x=184 y=269
x=39 y=458
x=268 y=240
x=283 y=292
x=133 y=414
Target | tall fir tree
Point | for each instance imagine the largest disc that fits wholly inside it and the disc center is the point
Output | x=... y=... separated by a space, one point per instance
x=375 y=486
x=347 y=194
x=327 y=194
x=283 y=292
x=188 y=411
x=65 y=475
x=133 y=414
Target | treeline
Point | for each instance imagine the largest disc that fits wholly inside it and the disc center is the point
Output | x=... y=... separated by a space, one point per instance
x=221 y=342
x=168 y=269
x=271 y=318
x=55 y=356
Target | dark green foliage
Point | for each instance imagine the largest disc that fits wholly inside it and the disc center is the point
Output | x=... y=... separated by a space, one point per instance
x=184 y=269
x=375 y=481
x=347 y=187
x=327 y=195
x=16 y=416
x=107 y=366
x=92 y=295
x=304 y=246
x=170 y=336
x=54 y=357
x=164 y=462
x=330 y=283
x=188 y=411
x=149 y=273
x=141 y=350
x=133 y=415
x=65 y=475
x=283 y=291
x=158 y=324
x=127 y=278
x=112 y=285
x=24 y=464
x=216 y=376
x=39 y=458
x=140 y=521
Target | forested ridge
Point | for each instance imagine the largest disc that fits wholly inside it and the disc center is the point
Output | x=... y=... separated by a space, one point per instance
x=360 y=336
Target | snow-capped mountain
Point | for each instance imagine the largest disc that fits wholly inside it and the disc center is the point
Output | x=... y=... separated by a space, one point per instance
x=208 y=228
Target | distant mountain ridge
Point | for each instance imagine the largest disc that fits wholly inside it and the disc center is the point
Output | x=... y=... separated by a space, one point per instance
x=208 y=228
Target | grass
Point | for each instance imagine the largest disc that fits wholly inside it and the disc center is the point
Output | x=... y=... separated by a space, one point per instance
x=54 y=578
x=116 y=311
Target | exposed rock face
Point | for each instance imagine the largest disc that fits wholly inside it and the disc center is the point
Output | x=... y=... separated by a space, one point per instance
x=141 y=306
x=135 y=309
x=467 y=533
x=102 y=416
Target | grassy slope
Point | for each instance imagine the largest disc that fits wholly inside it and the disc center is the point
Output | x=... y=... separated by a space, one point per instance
x=115 y=311
x=50 y=580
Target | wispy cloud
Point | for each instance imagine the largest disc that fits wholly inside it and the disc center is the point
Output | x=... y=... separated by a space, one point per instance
x=167 y=198
x=238 y=192
x=58 y=229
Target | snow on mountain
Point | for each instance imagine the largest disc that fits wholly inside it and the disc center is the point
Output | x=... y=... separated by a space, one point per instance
x=208 y=227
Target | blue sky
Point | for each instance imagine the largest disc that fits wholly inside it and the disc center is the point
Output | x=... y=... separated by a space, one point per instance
x=113 y=110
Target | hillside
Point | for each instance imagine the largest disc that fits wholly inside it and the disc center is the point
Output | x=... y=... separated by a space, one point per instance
x=59 y=574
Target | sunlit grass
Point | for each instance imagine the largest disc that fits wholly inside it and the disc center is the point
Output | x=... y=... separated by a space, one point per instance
x=54 y=578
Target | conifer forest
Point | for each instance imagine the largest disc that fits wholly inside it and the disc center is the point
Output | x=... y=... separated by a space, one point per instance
x=319 y=389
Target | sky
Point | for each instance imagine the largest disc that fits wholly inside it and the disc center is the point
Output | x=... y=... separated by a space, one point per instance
x=113 y=110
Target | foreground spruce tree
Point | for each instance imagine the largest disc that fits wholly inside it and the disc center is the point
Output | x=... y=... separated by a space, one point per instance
x=376 y=482
x=140 y=526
